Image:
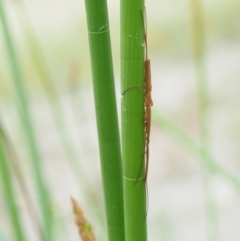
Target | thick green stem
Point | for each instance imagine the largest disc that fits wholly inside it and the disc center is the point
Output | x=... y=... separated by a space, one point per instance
x=106 y=113
x=132 y=85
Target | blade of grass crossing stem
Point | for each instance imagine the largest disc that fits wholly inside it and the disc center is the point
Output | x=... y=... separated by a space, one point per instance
x=185 y=140
x=27 y=127
x=9 y=196
x=106 y=114
x=132 y=85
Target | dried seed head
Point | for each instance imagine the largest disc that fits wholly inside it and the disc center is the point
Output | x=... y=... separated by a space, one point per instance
x=84 y=227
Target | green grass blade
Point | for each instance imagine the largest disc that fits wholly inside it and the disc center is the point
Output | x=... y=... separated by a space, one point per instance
x=196 y=149
x=27 y=126
x=132 y=85
x=198 y=42
x=106 y=113
x=48 y=84
x=9 y=193
x=16 y=168
x=55 y=104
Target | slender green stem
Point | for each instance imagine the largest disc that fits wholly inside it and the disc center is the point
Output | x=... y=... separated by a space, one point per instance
x=9 y=193
x=106 y=113
x=132 y=85
x=198 y=38
x=27 y=126
x=17 y=171
x=198 y=42
x=48 y=84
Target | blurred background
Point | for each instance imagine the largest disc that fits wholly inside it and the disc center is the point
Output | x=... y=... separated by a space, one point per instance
x=194 y=47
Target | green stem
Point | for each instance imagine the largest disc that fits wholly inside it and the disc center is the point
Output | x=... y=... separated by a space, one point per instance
x=198 y=37
x=132 y=85
x=106 y=113
x=15 y=166
x=9 y=193
x=27 y=126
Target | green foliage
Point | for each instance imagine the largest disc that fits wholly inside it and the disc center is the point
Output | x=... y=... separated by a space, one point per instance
x=8 y=187
x=124 y=187
x=27 y=126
